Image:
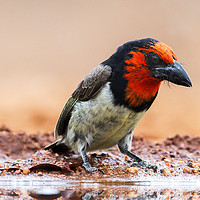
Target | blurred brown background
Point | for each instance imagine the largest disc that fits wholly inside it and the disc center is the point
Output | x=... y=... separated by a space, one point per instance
x=47 y=47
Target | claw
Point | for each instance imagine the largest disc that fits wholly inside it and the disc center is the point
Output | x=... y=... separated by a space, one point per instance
x=145 y=165
x=86 y=163
x=92 y=169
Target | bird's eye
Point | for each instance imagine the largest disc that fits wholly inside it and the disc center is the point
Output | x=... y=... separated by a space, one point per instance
x=154 y=58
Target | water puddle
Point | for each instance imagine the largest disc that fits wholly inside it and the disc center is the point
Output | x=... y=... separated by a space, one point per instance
x=50 y=188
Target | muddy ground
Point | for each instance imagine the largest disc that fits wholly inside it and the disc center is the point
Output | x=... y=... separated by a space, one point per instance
x=23 y=161
x=22 y=153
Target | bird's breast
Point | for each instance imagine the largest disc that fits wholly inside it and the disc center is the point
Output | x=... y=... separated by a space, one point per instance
x=99 y=122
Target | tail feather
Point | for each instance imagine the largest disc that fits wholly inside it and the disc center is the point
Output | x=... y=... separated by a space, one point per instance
x=58 y=147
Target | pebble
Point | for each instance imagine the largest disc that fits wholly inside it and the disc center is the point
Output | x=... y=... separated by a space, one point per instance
x=45 y=193
x=195 y=170
x=180 y=162
x=167 y=163
x=166 y=172
x=194 y=165
x=186 y=169
x=26 y=171
x=167 y=160
x=171 y=170
x=18 y=171
x=40 y=174
x=132 y=170
x=126 y=158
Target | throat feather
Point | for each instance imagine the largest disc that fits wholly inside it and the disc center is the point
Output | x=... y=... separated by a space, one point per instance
x=141 y=87
x=142 y=91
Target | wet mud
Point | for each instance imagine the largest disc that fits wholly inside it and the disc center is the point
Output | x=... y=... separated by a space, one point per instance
x=27 y=170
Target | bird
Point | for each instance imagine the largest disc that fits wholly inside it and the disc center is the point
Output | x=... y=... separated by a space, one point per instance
x=107 y=105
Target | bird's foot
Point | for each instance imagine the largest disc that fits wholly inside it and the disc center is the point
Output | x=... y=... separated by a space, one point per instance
x=91 y=169
x=145 y=165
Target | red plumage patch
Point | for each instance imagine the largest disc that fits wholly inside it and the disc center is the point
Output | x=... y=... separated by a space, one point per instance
x=165 y=52
x=141 y=85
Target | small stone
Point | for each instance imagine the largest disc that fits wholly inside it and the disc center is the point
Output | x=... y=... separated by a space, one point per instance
x=26 y=171
x=132 y=194
x=167 y=160
x=186 y=169
x=45 y=193
x=166 y=192
x=18 y=171
x=132 y=170
x=180 y=162
x=167 y=163
x=171 y=170
x=126 y=158
x=194 y=165
x=39 y=174
x=166 y=172
x=57 y=155
x=195 y=170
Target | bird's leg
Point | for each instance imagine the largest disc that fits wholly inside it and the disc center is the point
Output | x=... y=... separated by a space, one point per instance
x=137 y=160
x=86 y=163
x=124 y=145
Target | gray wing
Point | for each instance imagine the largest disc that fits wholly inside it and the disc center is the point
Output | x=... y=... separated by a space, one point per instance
x=64 y=117
x=87 y=89
x=92 y=83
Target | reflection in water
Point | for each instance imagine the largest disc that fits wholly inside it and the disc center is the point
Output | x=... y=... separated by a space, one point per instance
x=117 y=192
x=49 y=188
x=45 y=193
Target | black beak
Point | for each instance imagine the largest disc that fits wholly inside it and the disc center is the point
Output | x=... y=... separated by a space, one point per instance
x=174 y=73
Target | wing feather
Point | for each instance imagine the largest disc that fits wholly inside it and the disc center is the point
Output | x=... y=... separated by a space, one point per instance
x=87 y=89
x=64 y=117
x=92 y=83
